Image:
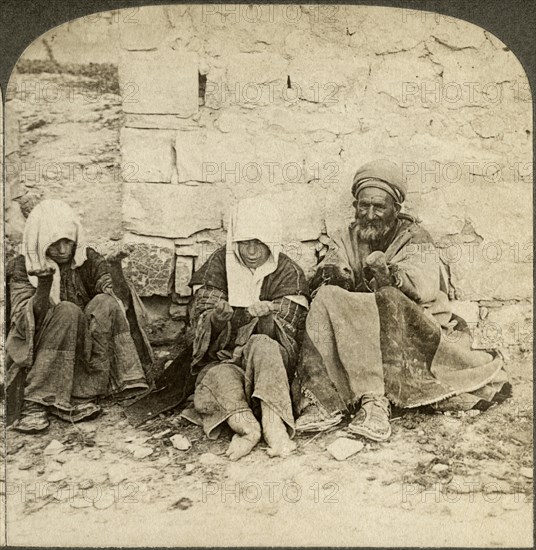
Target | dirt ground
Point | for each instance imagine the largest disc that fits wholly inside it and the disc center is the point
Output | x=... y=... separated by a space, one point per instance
x=440 y=480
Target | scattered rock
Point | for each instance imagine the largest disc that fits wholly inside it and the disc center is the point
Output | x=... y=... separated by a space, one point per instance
x=138 y=451
x=526 y=472
x=53 y=448
x=188 y=468
x=343 y=448
x=102 y=479
x=182 y=504
x=159 y=435
x=25 y=465
x=86 y=484
x=105 y=501
x=81 y=503
x=94 y=454
x=438 y=468
x=180 y=442
x=117 y=473
x=56 y=476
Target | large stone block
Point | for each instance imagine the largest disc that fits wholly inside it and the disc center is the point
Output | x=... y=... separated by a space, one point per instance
x=402 y=78
x=183 y=273
x=247 y=162
x=487 y=271
x=150 y=265
x=142 y=29
x=325 y=80
x=159 y=82
x=173 y=211
x=147 y=155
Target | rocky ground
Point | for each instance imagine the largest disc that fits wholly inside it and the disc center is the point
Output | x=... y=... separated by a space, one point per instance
x=441 y=480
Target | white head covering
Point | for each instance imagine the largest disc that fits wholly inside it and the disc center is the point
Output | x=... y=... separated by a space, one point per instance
x=253 y=218
x=48 y=222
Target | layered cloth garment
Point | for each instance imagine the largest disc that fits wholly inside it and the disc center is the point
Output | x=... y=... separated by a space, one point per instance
x=400 y=341
x=251 y=359
x=83 y=347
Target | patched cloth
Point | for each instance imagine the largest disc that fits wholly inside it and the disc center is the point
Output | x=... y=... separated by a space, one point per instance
x=402 y=342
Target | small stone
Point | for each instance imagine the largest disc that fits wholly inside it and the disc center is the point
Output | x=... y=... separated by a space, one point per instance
x=53 y=448
x=438 y=468
x=343 y=448
x=138 y=451
x=526 y=472
x=56 y=476
x=94 y=454
x=180 y=442
x=25 y=465
x=102 y=479
x=40 y=471
x=159 y=435
x=105 y=501
x=420 y=432
x=81 y=503
x=189 y=468
x=182 y=504
x=86 y=484
x=117 y=473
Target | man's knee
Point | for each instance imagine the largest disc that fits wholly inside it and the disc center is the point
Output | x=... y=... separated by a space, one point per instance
x=67 y=311
x=104 y=301
x=328 y=292
x=262 y=342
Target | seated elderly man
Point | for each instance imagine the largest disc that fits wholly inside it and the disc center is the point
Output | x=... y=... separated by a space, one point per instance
x=380 y=329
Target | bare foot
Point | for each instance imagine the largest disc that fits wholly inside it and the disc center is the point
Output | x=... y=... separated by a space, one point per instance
x=241 y=445
x=247 y=434
x=275 y=433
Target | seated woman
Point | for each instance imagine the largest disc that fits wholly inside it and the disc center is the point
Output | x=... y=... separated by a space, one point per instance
x=68 y=328
x=249 y=307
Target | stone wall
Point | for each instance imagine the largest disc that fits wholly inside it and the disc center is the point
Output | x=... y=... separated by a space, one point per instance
x=224 y=102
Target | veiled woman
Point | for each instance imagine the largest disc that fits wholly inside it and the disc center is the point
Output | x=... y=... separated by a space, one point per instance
x=249 y=306
x=68 y=329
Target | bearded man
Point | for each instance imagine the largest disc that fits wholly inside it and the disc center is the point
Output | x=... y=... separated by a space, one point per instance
x=380 y=329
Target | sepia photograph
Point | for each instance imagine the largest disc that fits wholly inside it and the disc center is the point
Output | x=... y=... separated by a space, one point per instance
x=268 y=281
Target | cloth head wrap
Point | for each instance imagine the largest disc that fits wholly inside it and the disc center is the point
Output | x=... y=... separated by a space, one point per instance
x=253 y=218
x=48 y=222
x=382 y=174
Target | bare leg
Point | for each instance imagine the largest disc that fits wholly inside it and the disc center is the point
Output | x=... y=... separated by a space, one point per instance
x=275 y=433
x=247 y=434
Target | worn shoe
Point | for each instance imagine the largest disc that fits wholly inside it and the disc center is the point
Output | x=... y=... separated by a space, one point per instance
x=79 y=413
x=372 y=419
x=34 y=418
x=315 y=420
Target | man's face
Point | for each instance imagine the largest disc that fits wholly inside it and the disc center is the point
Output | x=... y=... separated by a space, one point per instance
x=61 y=251
x=376 y=213
x=254 y=253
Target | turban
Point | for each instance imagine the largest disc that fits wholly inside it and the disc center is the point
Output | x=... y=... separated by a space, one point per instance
x=382 y=174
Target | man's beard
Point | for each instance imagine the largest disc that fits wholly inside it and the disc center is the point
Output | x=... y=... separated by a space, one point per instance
x=373 y=231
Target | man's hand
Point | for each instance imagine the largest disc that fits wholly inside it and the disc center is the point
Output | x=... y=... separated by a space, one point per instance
x=221 y=313
x=260 y=309
x=377 y=263
x=45 y=273
x=376 y=260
